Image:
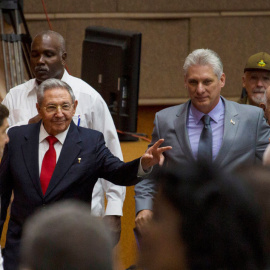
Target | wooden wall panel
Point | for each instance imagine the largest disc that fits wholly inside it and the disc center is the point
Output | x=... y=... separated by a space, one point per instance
x=82 y=6
x=170 y=30
x=234 y=39
x=164 y=46
x=71 y=6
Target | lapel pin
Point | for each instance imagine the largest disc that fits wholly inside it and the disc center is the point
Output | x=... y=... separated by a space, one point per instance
x=79 y=160
x=232 y=122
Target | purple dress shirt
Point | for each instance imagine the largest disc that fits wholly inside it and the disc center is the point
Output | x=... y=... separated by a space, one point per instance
x=195 y=126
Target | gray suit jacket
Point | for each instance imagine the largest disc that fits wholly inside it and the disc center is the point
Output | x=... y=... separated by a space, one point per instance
x=245 y=138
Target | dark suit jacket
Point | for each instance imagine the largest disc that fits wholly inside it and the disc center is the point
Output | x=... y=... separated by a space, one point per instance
x=246 y=135
x=19 y=172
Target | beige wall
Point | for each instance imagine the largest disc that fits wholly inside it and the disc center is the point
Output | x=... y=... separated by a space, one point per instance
x=170 y=30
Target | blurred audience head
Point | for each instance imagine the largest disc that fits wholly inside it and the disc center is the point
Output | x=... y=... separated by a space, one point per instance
x=65 y=236
x=258 y=180
x=203 y=219
x=4 y=139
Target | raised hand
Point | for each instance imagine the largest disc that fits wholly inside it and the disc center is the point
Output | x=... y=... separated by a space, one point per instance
x=154 y=155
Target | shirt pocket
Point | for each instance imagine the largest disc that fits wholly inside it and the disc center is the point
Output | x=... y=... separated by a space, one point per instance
x=79 y=120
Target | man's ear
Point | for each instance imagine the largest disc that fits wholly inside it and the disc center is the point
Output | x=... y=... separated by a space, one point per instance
x=38 y=108
x=64 y=57
x=262 y=105
x=222 y=80
x=75 y=106
x=244 y=81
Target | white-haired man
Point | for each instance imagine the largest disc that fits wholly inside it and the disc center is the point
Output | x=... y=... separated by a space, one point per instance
x=207 y=126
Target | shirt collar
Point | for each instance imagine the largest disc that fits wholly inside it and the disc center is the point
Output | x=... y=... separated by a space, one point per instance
x=32 y=91
x=64 y=78
x=214 y=114
x=43 y=134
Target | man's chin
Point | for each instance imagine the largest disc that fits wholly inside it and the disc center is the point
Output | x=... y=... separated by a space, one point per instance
x=59 y=127
x=41 y=79
x=257 y=99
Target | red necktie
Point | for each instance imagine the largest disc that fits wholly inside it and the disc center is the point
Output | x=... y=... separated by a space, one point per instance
x=48 y=164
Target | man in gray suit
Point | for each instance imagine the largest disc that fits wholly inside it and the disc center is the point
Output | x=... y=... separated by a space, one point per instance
x=239 y=132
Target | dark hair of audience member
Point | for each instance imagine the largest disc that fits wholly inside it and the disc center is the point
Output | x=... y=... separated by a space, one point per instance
x=64 y=236
x=258 y=179
x=220 y=222
x=4 y=113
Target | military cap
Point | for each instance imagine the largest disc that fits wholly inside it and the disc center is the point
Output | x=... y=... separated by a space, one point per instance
x=260 y=61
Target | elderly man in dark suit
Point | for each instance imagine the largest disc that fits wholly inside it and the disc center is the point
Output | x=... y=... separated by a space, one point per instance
x=236 y=134
x=56 y=160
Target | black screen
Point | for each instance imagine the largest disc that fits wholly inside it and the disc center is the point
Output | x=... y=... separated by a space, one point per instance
x=111 y=65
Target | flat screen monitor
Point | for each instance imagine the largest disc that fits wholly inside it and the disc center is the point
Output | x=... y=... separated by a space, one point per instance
x=111 y=64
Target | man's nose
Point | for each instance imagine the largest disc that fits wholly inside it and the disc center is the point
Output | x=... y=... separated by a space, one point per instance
x=59 y=111
x=260 y=83
x=41 y=59
x=200 y=88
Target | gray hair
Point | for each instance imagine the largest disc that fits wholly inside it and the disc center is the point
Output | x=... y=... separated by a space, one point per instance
x=51 y=33
x=204 y=57
x=65 y=236
x=52 y=84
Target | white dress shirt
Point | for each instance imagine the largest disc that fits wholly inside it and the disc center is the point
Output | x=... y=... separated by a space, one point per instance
x=44 y=144
x=92 y=112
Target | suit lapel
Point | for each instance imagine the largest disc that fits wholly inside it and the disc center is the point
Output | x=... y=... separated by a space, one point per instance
x=69 y=152
x=231 y=123
x=30 y=155
x=180 y=125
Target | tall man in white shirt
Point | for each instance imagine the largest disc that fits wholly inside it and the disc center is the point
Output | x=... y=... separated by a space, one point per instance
x=48 y=59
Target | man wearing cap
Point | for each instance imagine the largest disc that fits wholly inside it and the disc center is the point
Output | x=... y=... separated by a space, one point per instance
x=256 y=79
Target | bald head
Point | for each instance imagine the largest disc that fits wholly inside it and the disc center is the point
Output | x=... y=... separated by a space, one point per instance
x=48 y=56
x=53 y=35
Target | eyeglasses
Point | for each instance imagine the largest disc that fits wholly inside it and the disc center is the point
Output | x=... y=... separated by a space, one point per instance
x=53 y=108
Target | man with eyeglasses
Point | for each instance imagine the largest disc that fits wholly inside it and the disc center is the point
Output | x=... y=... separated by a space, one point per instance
x=48 y=59
x=55 y=160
